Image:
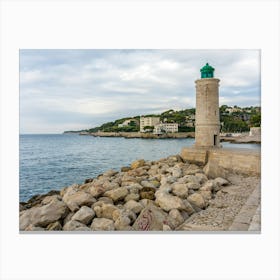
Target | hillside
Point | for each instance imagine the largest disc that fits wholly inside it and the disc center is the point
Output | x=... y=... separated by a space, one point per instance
x=233 y=119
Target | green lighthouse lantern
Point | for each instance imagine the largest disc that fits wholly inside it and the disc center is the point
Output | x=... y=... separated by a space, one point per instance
x=207 y=71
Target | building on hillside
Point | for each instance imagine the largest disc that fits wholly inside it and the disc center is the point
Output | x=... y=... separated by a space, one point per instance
x=165 y=128
x=255 y=131
x=231 y=110
x=127 y=122
x=148 y=121
x=190 y=123
x=190 y=117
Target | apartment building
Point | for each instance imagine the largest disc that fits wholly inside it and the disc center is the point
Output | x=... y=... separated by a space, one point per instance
x=148 y=121
x=165 y=128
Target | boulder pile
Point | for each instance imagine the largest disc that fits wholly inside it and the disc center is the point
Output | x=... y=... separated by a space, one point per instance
x=147 y=195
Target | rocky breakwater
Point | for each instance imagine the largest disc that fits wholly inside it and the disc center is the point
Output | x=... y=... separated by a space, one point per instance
x=145 y=135
x=147 y=195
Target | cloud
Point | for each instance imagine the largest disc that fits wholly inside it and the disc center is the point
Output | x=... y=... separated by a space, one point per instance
x=76 y=89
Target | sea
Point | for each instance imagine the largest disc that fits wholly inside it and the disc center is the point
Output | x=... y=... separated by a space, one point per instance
x=53 y=161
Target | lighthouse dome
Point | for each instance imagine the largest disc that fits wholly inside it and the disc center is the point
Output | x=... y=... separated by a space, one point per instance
x=207 y=71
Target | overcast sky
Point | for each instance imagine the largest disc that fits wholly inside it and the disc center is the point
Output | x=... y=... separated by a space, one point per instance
x=78 y=89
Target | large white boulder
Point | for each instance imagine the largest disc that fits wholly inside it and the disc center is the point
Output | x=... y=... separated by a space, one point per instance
x=168 y=201
x=84 y=215
x=197 y=200
x=102 y=224
x=43 y=215
x=117 y=194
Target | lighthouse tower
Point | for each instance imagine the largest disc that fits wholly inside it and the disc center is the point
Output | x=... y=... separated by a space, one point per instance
x=207 y=117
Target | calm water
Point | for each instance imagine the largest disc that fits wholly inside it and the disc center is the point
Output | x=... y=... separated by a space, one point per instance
x=50 y=162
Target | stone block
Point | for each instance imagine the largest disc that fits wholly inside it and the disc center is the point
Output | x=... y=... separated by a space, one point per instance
x=194 y=155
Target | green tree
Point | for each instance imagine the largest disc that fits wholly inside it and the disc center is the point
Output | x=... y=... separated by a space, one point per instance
x=255 y=120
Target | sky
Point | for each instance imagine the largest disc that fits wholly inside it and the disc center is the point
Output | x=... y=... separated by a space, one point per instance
x=80 y=89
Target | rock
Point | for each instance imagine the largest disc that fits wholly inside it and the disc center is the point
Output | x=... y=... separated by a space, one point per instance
x=33 y=228
x=54 y=226
x=85 y=228
x=189 y=208
x=122 y=223
x=140 y=172
x=177 y=172
x=44 y=215
x=197 y=200
x=145 y=202
x=147 y=184
x=192 y=169
x=132 y=196
x=134 y=206
x=37 y=199
x=22 y=206
x=74 y=225
x=123 y=219
x=172 y=158
x=175 y=218
x=221 y=181
x=185 y=214
x=208 y=186
x=134 y=187
x=74 y=198
x=166 y=227
x=102 y=224
x=201 y=177
x=148 y=193
x=125 y=213
x=117 y=194
x=166 y=188
x=107 y=200
x=193 y=186
x=150 y=218
x=168 y=180
x=207 y=195
x=180 y=190
x=155 y=183
x=125 y=168
x=168 y=202
x=89 y=180
x=110 y=173
x=137 y=163
x=110 y=185
x=84 y=215
x=128 y=180
x=105 y=210
x=63 y=190
x=189 y=179
x=97 y=190
x=68 y=217
x=213 y=170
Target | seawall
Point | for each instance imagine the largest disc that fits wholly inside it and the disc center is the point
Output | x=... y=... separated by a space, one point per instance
x=223 y=161
x=141 y=135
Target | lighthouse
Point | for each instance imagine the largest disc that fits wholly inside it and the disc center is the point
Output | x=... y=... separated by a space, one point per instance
x=207 y=117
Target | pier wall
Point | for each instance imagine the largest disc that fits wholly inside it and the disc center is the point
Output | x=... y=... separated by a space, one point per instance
x=221 y=162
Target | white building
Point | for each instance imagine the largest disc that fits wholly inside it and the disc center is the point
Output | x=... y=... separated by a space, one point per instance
x=165 y=128
x=126 y=122
x=148 y=121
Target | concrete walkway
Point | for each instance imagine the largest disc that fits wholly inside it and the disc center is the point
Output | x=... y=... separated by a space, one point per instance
x=249 y=217
x=235 y=208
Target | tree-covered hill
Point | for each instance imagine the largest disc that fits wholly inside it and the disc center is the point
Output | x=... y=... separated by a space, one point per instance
x=233 y=119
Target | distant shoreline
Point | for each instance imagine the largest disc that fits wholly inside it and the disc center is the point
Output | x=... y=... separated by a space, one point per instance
x=140 y=135
x=243 y=138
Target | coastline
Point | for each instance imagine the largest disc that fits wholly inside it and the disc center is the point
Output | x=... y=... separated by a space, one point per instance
x=140 y=135
x=243 y=138
x=170 y=194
